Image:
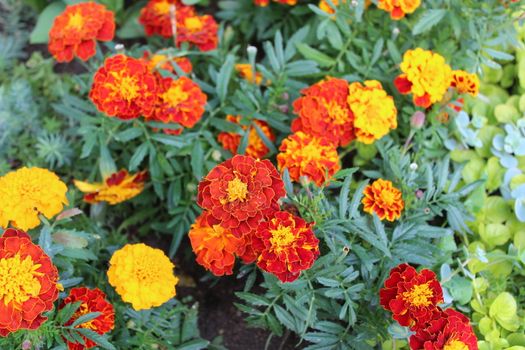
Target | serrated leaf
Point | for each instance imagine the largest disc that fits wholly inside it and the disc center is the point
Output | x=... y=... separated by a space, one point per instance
x=429 y=19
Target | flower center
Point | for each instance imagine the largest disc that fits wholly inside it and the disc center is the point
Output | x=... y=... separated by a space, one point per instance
x=193 y=24
x=126 y=86
x=419 y=295
x=18 y=279
x=455 y=345
x=175 y=95
x=81 y=311
x=337 y=113
x=162 y=8
x=237 y=190
x=76 y=21
x=388 y=198
x=282 y=237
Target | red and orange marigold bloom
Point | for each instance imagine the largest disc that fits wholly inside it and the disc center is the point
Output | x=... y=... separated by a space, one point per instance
x=179 y=101
x=28 y=283
x=382 y=198
x=249 y=252
x=306 y=155
x=324 y=112
x=451 y=330
x=426 y=75
x=116 y=188
x=287 y=244
x=264 y=3
x=240 y=192
x=374 y=111
x=161 y=61
x=465 y=82
x=398 y=8
x=214 y=246
x=156 y=17
x=91 y=300
x=124 y=88
x=412 y=297
x=200 y=31
x=256 y=147
x=76 y=31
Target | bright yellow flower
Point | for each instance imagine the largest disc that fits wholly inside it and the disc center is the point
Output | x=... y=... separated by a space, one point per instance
x=142 y=276
x=398 y=8
x=374 y=111
x=28 y=192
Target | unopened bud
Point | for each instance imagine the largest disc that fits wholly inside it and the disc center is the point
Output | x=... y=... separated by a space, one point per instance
x=191 y=187
x=216 y=155
x=119 y=48
x=413 y=166
x=395 y=32
x=417 y=120
x=283 y=108
x=285 y=96
x=419 y=194
x=26 y=345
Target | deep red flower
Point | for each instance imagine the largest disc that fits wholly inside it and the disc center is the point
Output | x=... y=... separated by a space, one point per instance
x=156 y=18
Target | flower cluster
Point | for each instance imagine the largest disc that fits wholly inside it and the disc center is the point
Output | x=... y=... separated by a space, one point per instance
x=413 y=298
x=172 y=18
x=264 y=3
x=142 y=276
x=398 y=8
x=91 y=300
x=28 y=192
x=382 y=198
x=255 y=147
x=75 y=31
x=242 y=218
x=28 y=283
x=116 y=188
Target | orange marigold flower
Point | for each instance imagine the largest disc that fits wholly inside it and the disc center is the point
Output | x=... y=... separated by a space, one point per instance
x=28 y=283
x=214 y=246
x=124 y=88
x=156 y=17
x=116 y=188
x=91 y=300
x=256 y=147
x=306 y=155
x=465 y=82
x=324 y=112
x=426 y=75
x=450 y=330
x=264 y=3
x=179 y=101
x=76 y=31
x=287 y=244
x=240 y=192
x=375 y=113
x=200 y=31
x=161 y=61
x=409 y=295
x=246 y=72
x=398 y=8
x=382 y=198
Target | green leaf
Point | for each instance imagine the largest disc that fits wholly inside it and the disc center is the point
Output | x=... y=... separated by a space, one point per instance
x=107 y=164
x=85 y=318
x=138 y=156
x=97 y=338
x=429 y=19
x=315 y=55
x=39 y=35
x=224 y=77
x=196 y=344
x=253 y=299
x=131 y=29
x=504 y=310
x=197 y=160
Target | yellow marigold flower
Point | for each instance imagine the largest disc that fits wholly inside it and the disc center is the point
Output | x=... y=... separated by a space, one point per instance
x=116 y=188
x=306 y=155
x=465 y=82
x=382 y=198
x=426 y=75
x=142 y=276
x=27 y=192
x=374 y=111
x=398 y=8
x=246 y=72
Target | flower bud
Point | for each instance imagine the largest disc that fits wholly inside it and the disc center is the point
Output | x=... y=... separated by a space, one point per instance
x=216 y=155
x=26 y=345
x=417 y=120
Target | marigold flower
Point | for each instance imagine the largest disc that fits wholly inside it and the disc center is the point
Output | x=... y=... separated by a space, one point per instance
x=124 y=88
x=76 y=31
x=256 y=147
x=382 y=198
x=28 y=283
x=240 y=192
x=27 y=192
x=156 y=17
x=324 y=112
x=200 y=31
x=465 y=82
x=249 y=252
x=142 y=276
x=375 y=113
x=161 y=61
x=179 y=101
x=92 y=300
x=426 y=75
x=214 y=246
x=246 y=72
x=398 y=8
x=264 y=3
x=116 y=188
x=451 y=330
x=306 y=155
x=409 y=295
x=287 y=244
